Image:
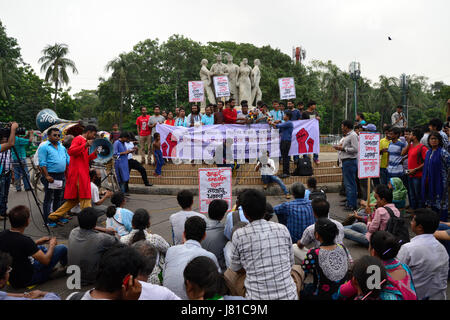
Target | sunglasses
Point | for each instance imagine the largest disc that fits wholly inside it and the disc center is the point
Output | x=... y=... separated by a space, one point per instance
x=57 y=135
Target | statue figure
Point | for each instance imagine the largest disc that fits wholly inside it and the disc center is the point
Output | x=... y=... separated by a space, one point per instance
x=218 y=69
x=205 y=76
x=256 y=78
x=243 y=81
x=233 y=72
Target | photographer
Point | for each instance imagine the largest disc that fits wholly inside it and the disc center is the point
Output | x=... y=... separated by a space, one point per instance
x=5 y=165
x=20 y=145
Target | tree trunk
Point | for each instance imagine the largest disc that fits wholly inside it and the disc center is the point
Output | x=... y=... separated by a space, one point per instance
x=56 y=94
x=121 y=110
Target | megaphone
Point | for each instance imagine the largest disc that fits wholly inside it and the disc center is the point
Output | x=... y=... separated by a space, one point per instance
x=47 y=118
x=105 y=150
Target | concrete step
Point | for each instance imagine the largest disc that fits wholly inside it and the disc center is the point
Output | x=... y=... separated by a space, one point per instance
x=137 y=179
x=246 y=166
x=240 y=173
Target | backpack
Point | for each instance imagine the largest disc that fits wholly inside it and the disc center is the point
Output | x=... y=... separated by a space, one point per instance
x=304 y=167
x=397 y=226
x=318 y=194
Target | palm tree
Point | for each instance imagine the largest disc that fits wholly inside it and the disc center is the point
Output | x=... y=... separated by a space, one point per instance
x=54 y=64
x=388 y=96
x=122 y=75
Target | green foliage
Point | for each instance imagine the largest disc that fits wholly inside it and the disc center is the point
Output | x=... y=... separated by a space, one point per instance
x=372 y=117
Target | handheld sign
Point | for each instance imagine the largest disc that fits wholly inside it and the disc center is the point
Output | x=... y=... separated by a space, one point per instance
x=214 y=183
x=369 y=155
x=196 y=91
x=221 y=86
x=287 y=88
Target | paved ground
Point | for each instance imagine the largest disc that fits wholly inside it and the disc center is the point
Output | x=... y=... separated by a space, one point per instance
x=160 y=208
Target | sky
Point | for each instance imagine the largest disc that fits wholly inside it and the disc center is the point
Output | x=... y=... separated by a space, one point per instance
x=342 y=31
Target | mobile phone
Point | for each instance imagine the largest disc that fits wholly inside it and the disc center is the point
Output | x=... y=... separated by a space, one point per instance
x=125 y=281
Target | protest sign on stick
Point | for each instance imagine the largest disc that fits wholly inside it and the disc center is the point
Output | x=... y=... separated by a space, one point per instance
x=287 y=88
x=221 y=86
x=214 y=183
x=196 y=91
x=369 y=158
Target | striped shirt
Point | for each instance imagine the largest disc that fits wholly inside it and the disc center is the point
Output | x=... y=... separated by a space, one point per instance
x=395 y=166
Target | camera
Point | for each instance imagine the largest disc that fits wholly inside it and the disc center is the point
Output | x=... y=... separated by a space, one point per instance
x=5 y=130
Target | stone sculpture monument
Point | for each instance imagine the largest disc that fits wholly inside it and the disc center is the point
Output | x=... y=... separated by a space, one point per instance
x=256 y=78
x=233 y=73
x=205 y=76
x=243 y=82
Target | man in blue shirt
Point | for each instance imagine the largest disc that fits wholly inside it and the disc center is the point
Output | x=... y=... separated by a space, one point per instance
x=20 y=145
x=286 y=129
x=53 y=161
x=296 y=215
x=395 y=166
x=276 y=114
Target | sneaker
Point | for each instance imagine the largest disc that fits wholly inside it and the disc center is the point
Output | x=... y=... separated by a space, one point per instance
x=149 y=184
x=52 y=224
x=64 y=220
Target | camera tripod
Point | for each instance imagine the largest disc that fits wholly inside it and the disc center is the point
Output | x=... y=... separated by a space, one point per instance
x=31 y=189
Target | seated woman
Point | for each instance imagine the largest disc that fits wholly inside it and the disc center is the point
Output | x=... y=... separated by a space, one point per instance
x=357 y=288
x=399 y=192
x=385 y=246
x=329 y=264
x=361 y=232
x=117 y=217
x=204 y=282
x=140 y=223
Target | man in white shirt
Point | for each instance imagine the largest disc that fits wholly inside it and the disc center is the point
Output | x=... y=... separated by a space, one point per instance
x=185 y=199
x=398 y=118
x=177 y=257
x=150 y=291
x=426 y=257
x=268 y=171
x=97 y=203
x=133 y=164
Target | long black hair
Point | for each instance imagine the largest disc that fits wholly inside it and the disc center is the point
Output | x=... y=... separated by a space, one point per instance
x=327 y=230
x=385 y=244
x=117 y=199
x=140 y=221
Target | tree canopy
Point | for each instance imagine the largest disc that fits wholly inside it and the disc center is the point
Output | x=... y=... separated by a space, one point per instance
x=153 y=71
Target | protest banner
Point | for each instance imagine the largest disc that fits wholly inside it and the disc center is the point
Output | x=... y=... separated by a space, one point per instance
x=214 y=183
x=249 y=141
x=196 y=91
x=221 y=86
x=369 y=155
x=287 y=88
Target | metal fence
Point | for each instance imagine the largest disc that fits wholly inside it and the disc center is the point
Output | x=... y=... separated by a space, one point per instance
x=330 y=139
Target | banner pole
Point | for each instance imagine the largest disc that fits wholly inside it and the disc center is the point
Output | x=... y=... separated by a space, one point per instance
x=368 y=194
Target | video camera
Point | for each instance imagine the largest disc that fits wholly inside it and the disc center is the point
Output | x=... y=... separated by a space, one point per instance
x=5 y=130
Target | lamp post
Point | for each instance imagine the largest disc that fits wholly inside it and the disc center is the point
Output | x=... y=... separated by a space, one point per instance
x=404 y=86
x=355 y=73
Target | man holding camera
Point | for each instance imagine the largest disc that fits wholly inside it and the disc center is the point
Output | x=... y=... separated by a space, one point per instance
x=19 y=174
x=5 y=167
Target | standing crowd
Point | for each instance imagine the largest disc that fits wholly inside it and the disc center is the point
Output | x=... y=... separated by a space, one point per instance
x=252 y=251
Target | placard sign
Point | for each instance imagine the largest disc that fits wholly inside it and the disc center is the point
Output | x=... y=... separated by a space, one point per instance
x=214 y=183
x=369 y=155
x=221 y=86
x=287 y=88
x=196 y=91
